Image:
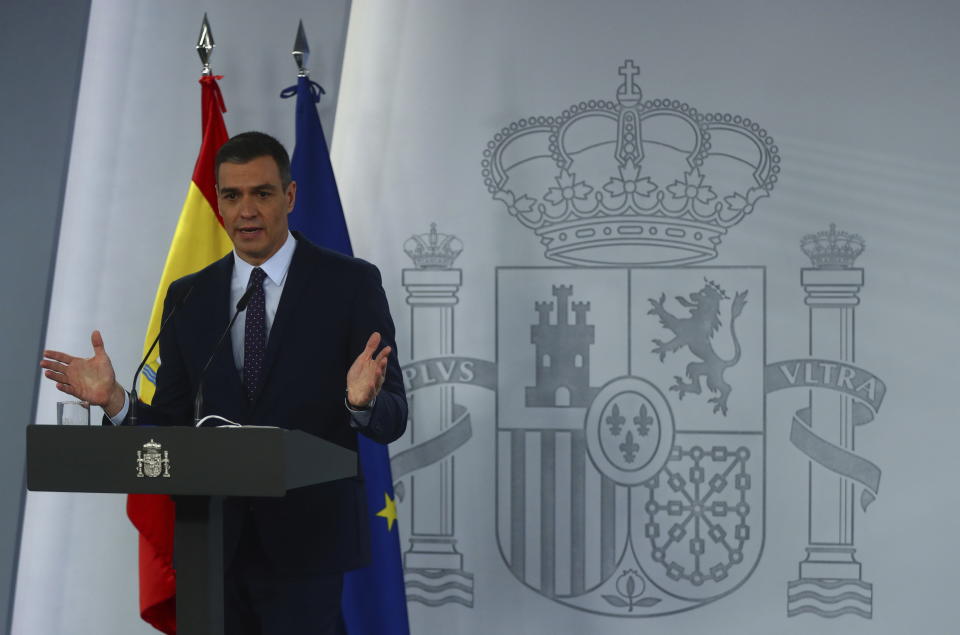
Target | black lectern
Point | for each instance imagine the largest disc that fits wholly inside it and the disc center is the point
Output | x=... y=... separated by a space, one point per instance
x=198 y=466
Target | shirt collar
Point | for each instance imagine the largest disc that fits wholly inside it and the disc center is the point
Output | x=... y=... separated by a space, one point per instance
x=275 y=267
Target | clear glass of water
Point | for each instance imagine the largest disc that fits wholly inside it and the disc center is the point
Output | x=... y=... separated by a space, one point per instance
x=73 y=413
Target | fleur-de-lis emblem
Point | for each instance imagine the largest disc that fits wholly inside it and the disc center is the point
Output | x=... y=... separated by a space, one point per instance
x=643 y=421
x=615 y=420
x=629 y=448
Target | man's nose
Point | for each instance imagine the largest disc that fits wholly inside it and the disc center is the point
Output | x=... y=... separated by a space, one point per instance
x=247 y=207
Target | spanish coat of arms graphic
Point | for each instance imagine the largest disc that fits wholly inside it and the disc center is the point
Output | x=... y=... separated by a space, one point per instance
x=630 y=375
x=630 y=412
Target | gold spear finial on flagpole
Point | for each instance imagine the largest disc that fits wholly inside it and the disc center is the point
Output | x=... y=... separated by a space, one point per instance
x=205 y=45
x=301 y=51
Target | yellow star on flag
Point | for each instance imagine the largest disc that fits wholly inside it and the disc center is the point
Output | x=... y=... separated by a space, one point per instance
x=389 y=510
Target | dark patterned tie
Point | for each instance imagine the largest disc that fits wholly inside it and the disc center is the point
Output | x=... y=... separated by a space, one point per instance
x=254 y=334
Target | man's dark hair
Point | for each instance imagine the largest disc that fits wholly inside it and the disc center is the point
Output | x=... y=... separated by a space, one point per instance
x=247 y=146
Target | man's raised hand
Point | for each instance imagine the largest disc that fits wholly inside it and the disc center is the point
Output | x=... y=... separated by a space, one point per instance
x=88 y=379
x=365 y=377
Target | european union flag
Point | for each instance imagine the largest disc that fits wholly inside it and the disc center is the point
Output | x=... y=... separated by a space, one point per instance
x=374 y=600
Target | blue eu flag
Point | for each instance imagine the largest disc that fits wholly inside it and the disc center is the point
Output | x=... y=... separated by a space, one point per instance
x=374 y=601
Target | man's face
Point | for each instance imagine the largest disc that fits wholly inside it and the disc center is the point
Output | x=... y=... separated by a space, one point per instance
x=254 y=206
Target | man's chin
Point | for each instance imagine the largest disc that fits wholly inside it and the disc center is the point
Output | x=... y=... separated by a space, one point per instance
x=250 y=253
x=251 y=243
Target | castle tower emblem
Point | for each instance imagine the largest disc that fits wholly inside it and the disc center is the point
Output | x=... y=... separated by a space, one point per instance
x=562 y=353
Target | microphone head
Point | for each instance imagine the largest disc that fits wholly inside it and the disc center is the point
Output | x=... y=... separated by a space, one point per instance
x=245 y=298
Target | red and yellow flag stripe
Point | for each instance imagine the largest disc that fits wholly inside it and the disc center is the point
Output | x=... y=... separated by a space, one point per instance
x=199 y=238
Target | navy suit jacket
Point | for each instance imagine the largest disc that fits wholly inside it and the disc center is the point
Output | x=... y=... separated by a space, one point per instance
x=330 y=305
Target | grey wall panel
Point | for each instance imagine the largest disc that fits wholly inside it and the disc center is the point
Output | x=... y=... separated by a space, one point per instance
x=41 y=55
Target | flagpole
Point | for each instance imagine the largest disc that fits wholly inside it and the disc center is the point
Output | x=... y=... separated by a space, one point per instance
x=301 y=51
x=205 y=46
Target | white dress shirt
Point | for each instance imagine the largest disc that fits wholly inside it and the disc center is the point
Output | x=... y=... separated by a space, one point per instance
x=276 y=268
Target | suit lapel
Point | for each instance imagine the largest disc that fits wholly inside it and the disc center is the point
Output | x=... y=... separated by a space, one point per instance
x=221 y=310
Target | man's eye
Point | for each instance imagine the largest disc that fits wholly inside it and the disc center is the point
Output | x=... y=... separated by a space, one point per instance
x=263 y=194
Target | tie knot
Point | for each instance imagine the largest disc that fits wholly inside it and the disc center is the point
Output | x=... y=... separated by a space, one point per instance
x=257 y=276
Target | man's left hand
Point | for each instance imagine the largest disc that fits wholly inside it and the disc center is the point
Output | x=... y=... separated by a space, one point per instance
x=365 y=377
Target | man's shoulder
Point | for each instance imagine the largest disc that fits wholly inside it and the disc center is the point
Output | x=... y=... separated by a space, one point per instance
x=332 y=261
x=214 y=272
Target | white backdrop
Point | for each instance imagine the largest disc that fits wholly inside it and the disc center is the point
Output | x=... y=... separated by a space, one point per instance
x=859 y=100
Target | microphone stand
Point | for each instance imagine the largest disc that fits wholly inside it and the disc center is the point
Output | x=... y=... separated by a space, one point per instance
x=132 y=416
x=241 y=306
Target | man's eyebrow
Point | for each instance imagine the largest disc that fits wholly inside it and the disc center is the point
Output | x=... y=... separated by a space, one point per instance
x=261 y=187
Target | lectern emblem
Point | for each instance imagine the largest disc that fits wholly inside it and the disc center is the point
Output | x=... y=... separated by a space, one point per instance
x=151 y=462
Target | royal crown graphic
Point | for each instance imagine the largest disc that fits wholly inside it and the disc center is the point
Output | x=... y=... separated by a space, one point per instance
x=832 y=249
x=433 y=250
x=631 y=181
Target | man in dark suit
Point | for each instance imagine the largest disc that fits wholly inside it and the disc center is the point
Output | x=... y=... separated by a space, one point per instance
x=312 y=351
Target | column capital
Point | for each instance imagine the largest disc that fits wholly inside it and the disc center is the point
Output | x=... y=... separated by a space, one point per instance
x=432 y=287
x=832 y=287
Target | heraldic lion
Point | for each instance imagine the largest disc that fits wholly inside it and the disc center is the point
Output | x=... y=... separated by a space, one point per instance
x=696 y=333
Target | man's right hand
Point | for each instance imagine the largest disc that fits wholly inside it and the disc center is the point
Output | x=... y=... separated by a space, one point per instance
x=88 y=379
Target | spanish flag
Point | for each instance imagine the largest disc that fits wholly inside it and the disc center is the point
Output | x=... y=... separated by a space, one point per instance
x=198 y=241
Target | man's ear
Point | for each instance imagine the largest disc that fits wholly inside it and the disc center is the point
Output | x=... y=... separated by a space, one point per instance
x=291 y=195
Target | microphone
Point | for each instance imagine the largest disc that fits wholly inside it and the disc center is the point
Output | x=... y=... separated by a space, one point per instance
x=241 y=306
x=132 y=415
